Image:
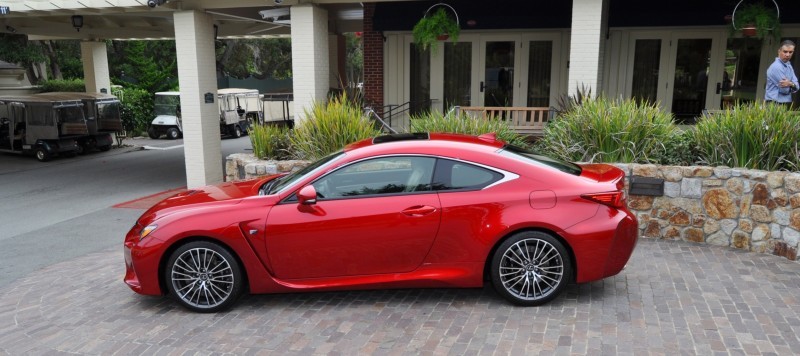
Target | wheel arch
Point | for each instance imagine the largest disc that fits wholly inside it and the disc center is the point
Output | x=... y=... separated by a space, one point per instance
x=162 y=263
x=488 y=262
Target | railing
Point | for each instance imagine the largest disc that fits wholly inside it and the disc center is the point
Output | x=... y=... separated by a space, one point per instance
x=395 y=117
x=524 y=120
x=382 y=125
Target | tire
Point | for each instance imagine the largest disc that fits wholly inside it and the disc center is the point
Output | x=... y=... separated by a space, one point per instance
x=41 y=154
x=104 y=148
x=237 y=131
x=173 y=133
x=531 y=268
x=81 y=150
x=204 y=277
x=153 y=133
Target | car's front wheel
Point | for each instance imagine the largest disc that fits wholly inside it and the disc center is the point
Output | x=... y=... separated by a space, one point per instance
x=531 y=268
x=204 y=277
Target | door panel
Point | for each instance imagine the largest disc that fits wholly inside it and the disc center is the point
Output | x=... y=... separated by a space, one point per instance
x=498 y=79
x=363 y=236
x=690 y=81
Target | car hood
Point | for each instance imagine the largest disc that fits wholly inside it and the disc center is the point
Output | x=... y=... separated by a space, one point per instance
x=212 y=195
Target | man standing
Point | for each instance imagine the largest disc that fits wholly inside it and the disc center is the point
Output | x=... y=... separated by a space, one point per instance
x=781 y=80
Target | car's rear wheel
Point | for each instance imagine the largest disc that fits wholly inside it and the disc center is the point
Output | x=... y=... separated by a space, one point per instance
x=531 y=268
x=237 y=131
x=204 y=277
x=41 y=154
x=153 y=133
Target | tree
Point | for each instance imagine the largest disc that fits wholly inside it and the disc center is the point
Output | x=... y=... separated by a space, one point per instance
x=148 y=65
x=260 y=58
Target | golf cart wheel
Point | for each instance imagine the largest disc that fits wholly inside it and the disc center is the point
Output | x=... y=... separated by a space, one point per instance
x=173 y=133
x=153 y=133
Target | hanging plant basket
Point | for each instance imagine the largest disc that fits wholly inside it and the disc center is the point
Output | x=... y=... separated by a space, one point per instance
x=757 y=20
x=438 y=25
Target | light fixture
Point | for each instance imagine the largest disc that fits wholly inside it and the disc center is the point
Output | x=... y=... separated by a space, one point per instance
x=11 y=29
x=77 y=22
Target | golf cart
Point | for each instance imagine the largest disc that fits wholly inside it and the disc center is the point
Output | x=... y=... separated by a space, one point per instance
x=167 y=107
x=238 y=108
x=45 y=127
x=102 y=118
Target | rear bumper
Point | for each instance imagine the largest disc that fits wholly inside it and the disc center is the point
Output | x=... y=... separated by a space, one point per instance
x=603 y=244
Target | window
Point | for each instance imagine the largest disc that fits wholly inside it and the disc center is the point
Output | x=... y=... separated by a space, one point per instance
x=40 y=115
x=453 y=175
x=539 y=160
x=378 y=176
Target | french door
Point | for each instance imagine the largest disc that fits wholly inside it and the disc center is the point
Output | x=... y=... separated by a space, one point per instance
x=680 y=70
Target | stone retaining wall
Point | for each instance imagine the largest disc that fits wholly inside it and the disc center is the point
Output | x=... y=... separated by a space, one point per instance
x=745 y=209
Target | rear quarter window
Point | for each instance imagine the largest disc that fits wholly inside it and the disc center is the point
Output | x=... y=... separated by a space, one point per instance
x=452 y=175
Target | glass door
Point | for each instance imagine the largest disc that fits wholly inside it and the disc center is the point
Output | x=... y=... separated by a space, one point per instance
x=740 y=74
x=498 y=77
x=690 y=79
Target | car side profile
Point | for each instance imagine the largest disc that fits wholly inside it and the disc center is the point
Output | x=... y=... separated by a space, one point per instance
x=397 y=211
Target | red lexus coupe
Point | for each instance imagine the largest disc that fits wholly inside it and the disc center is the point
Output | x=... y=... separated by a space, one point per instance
x=396 y=211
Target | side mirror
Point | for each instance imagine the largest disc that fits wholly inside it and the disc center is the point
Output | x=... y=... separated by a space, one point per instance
x=307 y=195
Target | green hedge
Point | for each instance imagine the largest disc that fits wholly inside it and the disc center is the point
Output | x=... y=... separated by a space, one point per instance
x=68 y=85
x=136 y=111
x=435 y=121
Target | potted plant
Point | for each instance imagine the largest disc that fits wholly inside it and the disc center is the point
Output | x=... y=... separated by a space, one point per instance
x=435 y=27
x=757 y=20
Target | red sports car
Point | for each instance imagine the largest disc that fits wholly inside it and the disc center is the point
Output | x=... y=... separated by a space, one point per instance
x=396 y=211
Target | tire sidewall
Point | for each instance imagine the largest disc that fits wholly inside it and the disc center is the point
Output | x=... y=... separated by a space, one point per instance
x=505 y=245
x=236 y=269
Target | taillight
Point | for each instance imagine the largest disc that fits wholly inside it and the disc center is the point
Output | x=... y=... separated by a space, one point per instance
x=614 y=199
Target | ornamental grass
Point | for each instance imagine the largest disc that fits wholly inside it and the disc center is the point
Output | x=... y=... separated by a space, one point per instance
x=270 y=142
x=604 y=130
x=435 y=121
x=755 y=136
x=329 y=127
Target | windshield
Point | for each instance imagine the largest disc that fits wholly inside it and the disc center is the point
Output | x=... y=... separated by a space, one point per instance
x=70 y=114
x=530 y=157
x=166 y=104
x=108 y=111
x=290 y=179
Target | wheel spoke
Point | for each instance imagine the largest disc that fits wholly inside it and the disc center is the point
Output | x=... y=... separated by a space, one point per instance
x=531 y=269
x=202 y=278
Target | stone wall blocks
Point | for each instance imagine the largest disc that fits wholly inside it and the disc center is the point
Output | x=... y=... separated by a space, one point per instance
x=672 y=233
x=711 y=226
x=775 y=179
x=728 y=225
x=761 y=233
x=694 y=235
x=781 y=216
x=760 y=213
x=699 y=220
x=740 y=240
x=718 y=239
x=794 y=219
x=760 y=194
x=792 y=182
x=653 y=229
x=794 y=201
x=735 y=186
x=779 y=196
x=736 y=172
x=681 y=218
x=712 y=183
x=702 y=172
x=672 y=173
x=646 y=170
x=756 y=175
x=640 y=202
x=723 y=172
x=791 y=236
x=746 y=225
x=672 y=189
x=691 y=188
x=775 y=231
x=719 y=204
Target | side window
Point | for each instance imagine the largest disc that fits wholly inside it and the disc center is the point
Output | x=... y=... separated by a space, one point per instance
x=452 y=175
x=378 y=176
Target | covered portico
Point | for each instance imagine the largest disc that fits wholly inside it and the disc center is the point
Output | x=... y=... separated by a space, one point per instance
x=313 y=26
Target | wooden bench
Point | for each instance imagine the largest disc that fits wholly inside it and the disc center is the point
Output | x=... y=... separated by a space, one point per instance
x=524 y=120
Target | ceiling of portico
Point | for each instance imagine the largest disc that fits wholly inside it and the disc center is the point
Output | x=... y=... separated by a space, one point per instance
x=133 y=19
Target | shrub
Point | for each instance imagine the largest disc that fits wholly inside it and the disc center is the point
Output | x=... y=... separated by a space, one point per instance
x=328 y=128
x=68 y=85
x=604 y=130
x=750 y=136
x=270 y=141
x=464 y=124
x=136 y=109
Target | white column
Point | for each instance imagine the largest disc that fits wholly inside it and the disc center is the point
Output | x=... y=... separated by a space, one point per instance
x=587 y=38
x=310 y=63
x=194 y=44
x=95 y=67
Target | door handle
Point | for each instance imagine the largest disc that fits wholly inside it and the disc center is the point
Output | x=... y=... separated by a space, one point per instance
x=719 y=88
x=482 y=87
x=419 y=210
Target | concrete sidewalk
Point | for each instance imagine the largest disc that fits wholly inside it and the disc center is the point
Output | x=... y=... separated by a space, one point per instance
x=674 y=297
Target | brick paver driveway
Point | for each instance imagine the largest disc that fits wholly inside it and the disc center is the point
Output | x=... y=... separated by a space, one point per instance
x=674 y=297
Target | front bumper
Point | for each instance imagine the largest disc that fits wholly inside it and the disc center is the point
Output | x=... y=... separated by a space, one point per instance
x=141 y=263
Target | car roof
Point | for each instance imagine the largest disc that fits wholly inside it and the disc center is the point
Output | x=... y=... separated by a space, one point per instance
x=425 y=142
x=76 y=96
x=37 y=98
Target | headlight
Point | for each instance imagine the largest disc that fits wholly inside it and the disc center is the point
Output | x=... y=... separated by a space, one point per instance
x=147 y=230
